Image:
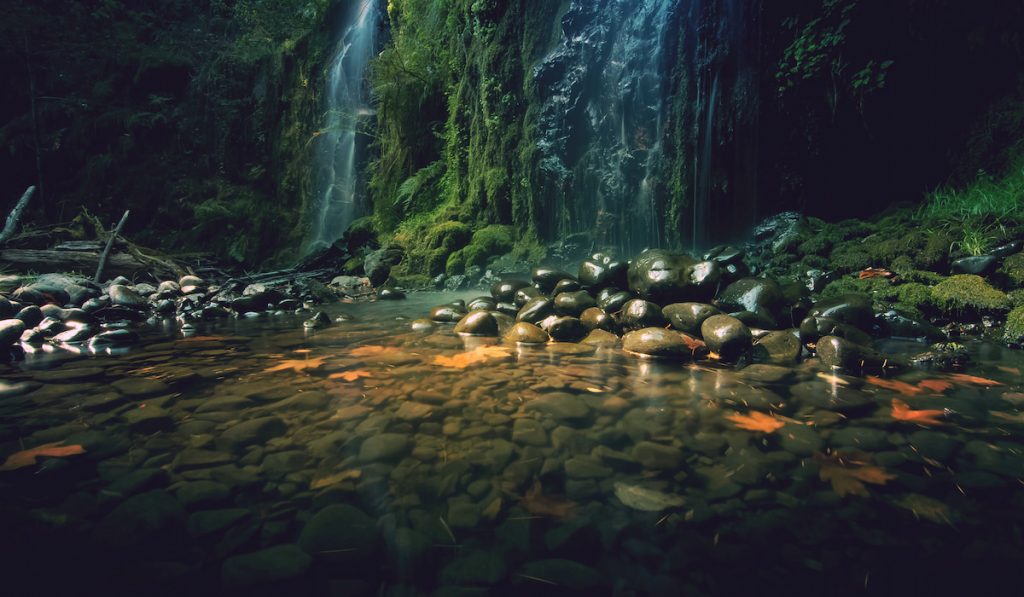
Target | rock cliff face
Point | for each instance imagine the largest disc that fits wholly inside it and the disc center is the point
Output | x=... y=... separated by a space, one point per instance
x=629 y=81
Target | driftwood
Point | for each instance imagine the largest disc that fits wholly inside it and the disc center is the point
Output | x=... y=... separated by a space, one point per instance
x=118 y=264
x=15 y=215
x=110 y=243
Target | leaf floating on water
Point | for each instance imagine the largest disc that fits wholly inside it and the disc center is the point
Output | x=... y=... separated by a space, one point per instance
x=28 y=457
x=756 y=421
x=477 y=355
x=849 y=471
x=935 y=385
x=297 y=365
x=925 y=507
x=963 y=378
x=537 y=503
x=350 y=375
x=901 y=411
x=336 y=478
x=895 y=385
x=647 y=500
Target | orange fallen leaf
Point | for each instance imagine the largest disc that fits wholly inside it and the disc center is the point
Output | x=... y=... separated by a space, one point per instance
x=935 y=385
x=894 y=384
x=965 y=379
x=539 y=504
x=297 y=365
x=472 y=357
x=875 y=272
x=336 y=478
x=848 y=472
x=350 y=375
x=901 y=411
x=28 y=457
x=756 y=421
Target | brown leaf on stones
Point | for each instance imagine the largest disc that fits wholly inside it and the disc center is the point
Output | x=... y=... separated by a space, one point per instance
x=475 y=356
x=350 y=375
x=756 y=421
x=875 y=272
x=371 y=350
x=849 y=471
x=539 y=504
x=28 y=457
x=901 y=411
x=297 y=365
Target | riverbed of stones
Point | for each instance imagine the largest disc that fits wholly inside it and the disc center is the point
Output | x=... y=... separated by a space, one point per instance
x=565 y=433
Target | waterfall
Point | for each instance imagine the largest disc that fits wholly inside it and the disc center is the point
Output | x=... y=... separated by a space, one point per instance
x=609 y=89
x=341 y=144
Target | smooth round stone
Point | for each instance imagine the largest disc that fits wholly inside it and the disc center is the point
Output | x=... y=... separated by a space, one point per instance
x=638 y=314
x=688 y=317
x=979 y=265
x=761 y=319
x=752 y=294
x=525 y=294
x=447 y=313
x=781 y=347
x=95 y=304
x=113 y=338
x=705 y=277
x=559 y=406
x=253 y=431
x=339 y=530
x=566 y=329
x=613 y=302
x=526 y=333
x=852 y=309
x=600 y=338
x=32 y=337
x=504 y=290
x=812 y=329
x=126 y=297
x=901 y=326
x=566 y=285
x=383 y=447
x=600 y=274
x=76 y=335
x=765 y=373
x=657 y=343
x=390 y=294
x=273 y=564
x=477 y=323
x=10 y=331
x=7 y=308
x=422 y=325
x=189 y=284
x=509 y=309
x=482 y=303
x=168 y=288
x=595 y=318
x=839 y=353
x=535 y=310
x=726 y=336
x=545 y=278
x=657 y=456
x=662 y=277
x=30 y=315
x=573 y=303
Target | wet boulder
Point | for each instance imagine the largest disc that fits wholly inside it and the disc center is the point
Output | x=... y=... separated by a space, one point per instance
x=780 y=348
x=659 y=343
x=839 y=353
x=687 y=317
x=10 y=332
x=123 y=296
x=477 y=323
x=566 y=285
x=900 y=326
x=638 y=314
x=535 y=310
x=595 y=318
x=752 y=294
x=726 y=336
x=573 y=303
x=525 y=294
x=504 y=290
x=545 y=278
x=595 y=274
x=565 y=329
x=979 y=265
x=853 y=309
x=662 y=277
x=526 y=333
x=814 y=328
x=613 y=302
x=447 y=313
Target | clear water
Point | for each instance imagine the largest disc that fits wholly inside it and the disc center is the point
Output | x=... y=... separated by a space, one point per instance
x=559 y=469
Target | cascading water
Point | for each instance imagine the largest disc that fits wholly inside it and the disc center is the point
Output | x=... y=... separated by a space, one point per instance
x=626 y=78
x=341 y=145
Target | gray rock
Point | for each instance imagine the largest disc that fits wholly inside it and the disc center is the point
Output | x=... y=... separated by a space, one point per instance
x=559 y=406
x=529 y=432
x=274 y=564
x=687 y=317
x=10 y=332
x=383 y=447
x=126 y=297
x=781 y=348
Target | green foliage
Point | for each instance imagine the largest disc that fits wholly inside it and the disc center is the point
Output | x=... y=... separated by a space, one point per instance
x=968 y=294
x=1013 y=268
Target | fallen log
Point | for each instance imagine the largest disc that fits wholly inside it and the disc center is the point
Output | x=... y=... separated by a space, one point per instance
x=86 y=262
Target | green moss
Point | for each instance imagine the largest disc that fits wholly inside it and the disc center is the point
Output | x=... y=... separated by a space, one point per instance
x=819 y=244
x=1016 y=297
x=353 y=267
x=1013 y=267
x=849 y=257
x=880 y=289
x=1014 y=329
x=455 y=264
x=913 y=299
x=448 y=235
x=417 y=281
x=968 y=294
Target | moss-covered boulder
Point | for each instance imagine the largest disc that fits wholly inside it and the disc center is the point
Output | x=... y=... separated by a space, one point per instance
x=967 y=293
x=1014 y=330
x=489 y=241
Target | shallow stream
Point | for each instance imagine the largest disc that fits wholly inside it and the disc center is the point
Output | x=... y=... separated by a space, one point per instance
x=370 y=459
